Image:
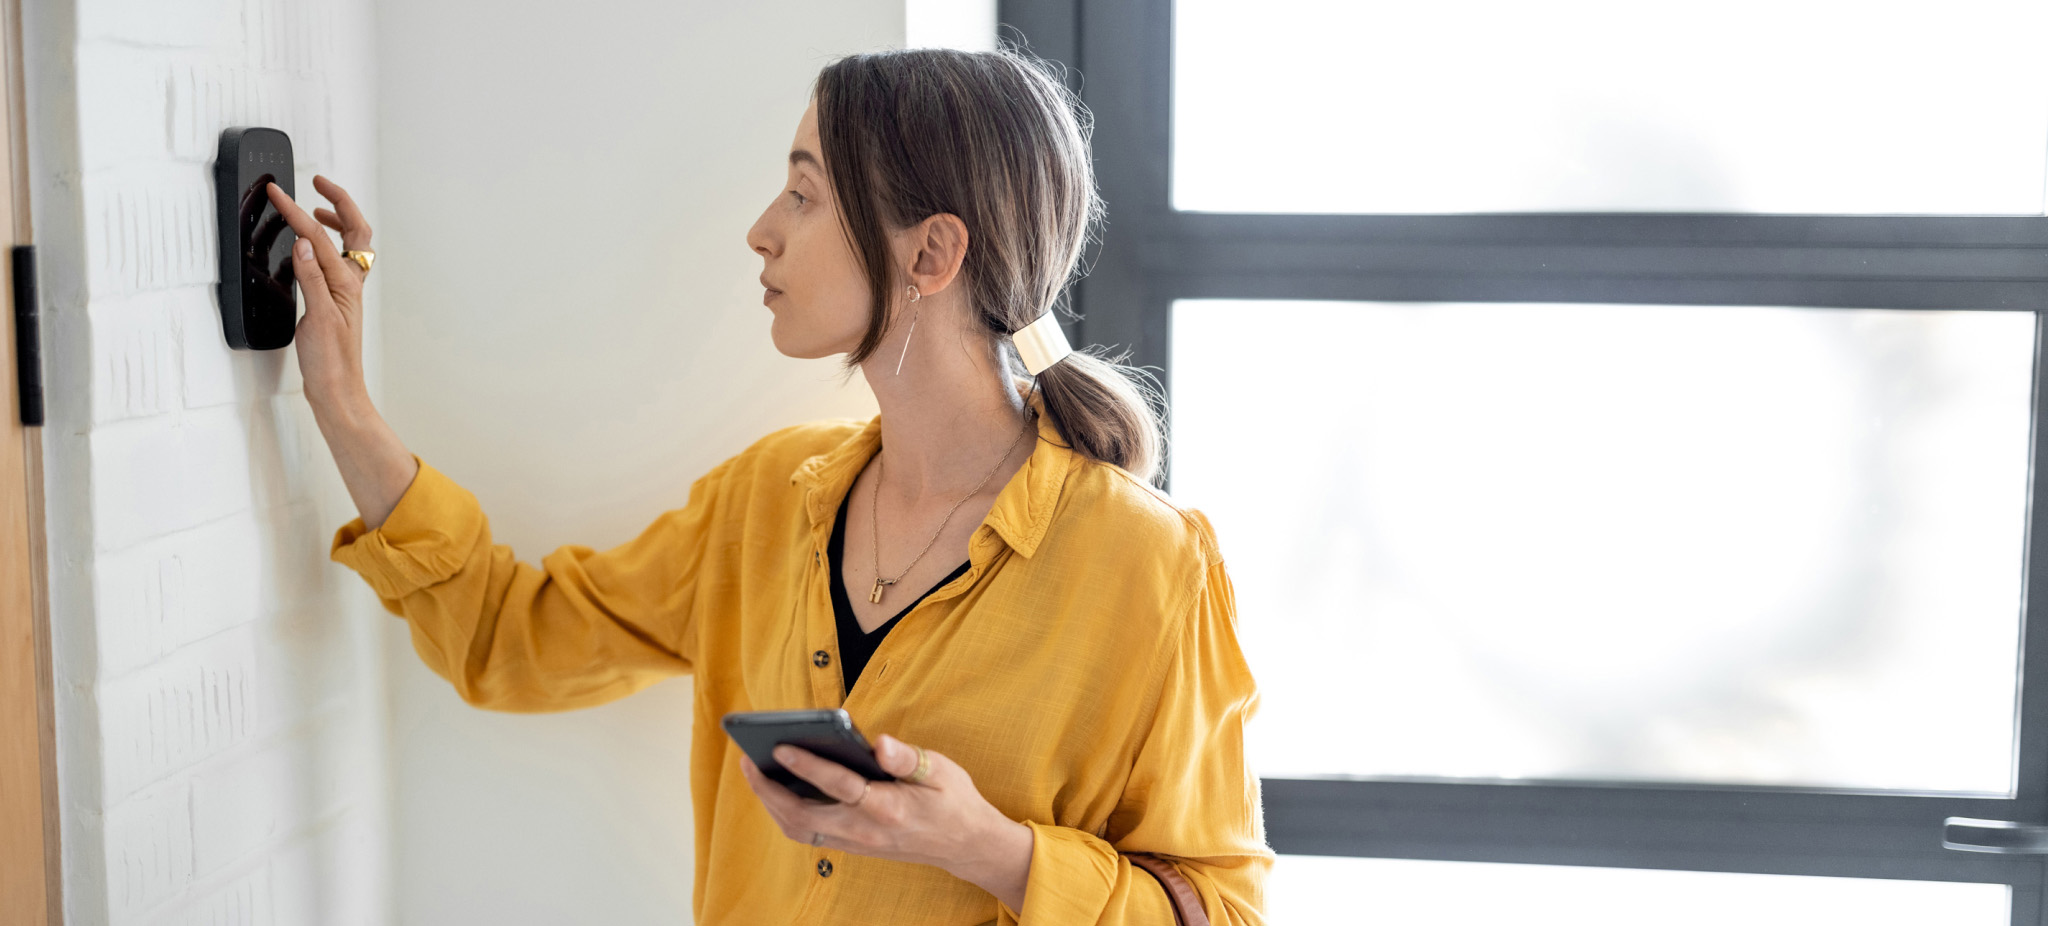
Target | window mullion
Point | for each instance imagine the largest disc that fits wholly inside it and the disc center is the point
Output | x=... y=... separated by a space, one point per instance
x=1764 y=830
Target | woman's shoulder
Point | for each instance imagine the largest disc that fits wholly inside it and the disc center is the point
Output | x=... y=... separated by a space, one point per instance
x=1112 y=509
x=1145 y=557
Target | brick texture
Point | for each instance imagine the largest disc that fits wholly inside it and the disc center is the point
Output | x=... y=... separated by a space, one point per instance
x=223 y=715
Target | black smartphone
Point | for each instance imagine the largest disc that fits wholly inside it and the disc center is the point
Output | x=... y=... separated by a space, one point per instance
x=829 y=733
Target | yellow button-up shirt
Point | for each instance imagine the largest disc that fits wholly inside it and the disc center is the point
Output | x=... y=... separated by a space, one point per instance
x=1085 y=671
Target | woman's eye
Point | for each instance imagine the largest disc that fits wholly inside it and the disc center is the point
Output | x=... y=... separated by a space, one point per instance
x=800 y=199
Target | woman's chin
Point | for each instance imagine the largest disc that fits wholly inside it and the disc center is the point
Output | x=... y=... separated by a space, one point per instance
x=801 y=348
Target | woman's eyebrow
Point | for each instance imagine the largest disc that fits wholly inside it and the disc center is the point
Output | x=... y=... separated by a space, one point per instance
x=803 y=156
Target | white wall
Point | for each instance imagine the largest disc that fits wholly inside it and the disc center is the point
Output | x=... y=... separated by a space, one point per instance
x=573 y=330
x=965 y=24
x=220 y=707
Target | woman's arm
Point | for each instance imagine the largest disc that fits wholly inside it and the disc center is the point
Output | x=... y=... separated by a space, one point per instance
x=373 y=461
x=329 y=342
x=1191 y=798
x=582 y=628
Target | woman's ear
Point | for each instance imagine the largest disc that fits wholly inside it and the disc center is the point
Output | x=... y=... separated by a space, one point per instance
x=938 y=249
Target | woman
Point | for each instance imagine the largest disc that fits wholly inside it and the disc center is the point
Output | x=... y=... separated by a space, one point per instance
x=1045 y=642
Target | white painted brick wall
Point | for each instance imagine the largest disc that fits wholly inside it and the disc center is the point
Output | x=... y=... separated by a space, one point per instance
x=222 y=720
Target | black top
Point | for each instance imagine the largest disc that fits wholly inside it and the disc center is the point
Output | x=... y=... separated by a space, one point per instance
x=856 y=647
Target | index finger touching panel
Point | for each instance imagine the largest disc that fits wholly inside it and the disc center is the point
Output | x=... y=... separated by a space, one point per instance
x=308 y=229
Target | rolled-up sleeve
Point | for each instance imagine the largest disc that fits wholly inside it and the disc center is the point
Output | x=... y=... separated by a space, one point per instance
x=582 y=628
x=1191 y=798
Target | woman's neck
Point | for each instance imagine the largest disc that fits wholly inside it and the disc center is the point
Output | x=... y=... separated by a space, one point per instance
x=949 y=415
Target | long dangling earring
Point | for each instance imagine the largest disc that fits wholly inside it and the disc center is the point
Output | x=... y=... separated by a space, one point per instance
x=914 y=296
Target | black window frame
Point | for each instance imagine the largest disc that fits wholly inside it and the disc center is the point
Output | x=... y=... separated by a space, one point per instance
x=1149 y=255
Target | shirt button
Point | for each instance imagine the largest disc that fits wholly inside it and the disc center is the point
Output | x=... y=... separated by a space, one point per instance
x=824 y=868
x=821 y=659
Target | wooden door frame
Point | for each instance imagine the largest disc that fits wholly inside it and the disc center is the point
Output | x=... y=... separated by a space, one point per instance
x=31 y=869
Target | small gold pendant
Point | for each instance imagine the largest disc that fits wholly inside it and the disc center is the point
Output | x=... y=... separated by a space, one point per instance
x=875 y=597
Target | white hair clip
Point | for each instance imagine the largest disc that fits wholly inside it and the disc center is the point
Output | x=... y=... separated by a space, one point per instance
x=1041 y=343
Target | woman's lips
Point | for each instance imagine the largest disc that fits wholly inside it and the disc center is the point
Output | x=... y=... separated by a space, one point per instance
x=767 y=294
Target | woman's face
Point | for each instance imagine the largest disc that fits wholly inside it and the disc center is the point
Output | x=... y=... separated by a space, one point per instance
x=815 y=286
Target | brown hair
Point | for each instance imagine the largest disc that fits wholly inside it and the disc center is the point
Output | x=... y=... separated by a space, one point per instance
x=998 y=140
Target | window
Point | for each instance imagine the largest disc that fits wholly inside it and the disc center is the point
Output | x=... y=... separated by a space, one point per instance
x=1790 y=106
x=1663 y=382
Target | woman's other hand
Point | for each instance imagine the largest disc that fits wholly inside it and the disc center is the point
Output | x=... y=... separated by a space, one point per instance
x=329 y=339
x=942 y=821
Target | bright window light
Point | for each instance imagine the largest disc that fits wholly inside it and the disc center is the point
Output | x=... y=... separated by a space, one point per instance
x=1679 y=543
x=1781 y=106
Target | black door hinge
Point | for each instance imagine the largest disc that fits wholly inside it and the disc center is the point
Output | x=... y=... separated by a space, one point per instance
x=28 y=346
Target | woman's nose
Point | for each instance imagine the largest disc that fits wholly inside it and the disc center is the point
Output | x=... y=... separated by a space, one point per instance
x=758 y=238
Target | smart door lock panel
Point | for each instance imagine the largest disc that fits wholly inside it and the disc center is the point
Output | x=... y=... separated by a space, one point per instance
x=258 y=296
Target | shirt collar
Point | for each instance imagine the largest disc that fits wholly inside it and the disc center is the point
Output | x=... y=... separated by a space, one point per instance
x=1022 y=511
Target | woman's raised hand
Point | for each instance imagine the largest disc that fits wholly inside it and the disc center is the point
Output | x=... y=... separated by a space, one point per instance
x=329 y=339
x=373 y=461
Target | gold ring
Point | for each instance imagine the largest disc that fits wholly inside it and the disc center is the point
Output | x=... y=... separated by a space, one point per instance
x=363 y=258
x=863 y=794
x=924 y=767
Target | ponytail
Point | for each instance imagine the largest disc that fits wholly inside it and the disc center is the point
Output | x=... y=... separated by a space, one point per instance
x=1106 y=410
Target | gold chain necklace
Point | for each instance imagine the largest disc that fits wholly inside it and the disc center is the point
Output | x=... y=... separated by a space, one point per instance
x=874 y=509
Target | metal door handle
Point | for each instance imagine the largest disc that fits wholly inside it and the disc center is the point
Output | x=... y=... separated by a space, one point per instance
x=1965 y=834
